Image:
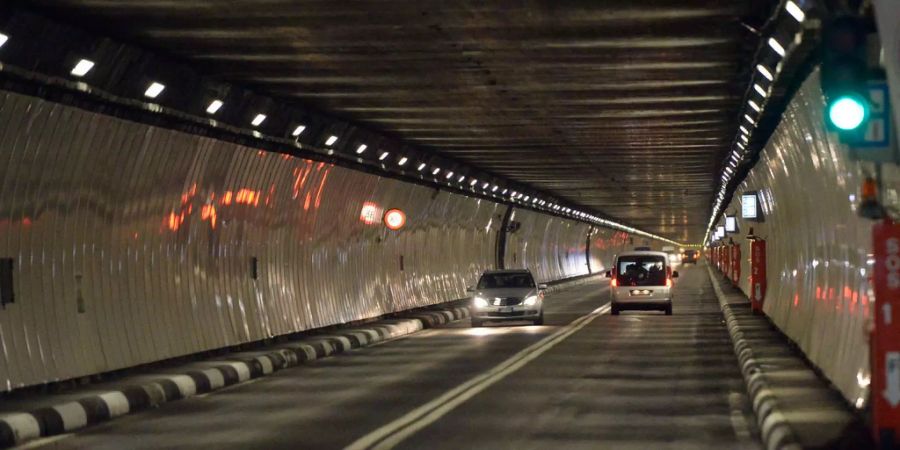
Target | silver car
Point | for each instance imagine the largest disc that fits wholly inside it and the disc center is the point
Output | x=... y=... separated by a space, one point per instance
x=641 y=280
x=507 y=295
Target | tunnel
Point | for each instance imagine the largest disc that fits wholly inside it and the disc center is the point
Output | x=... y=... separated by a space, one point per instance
x=518 y=224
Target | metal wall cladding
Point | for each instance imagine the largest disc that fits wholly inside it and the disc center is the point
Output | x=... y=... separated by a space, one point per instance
x=819 y=261
x=605 y=245
x=551 y=247
x=135 y=244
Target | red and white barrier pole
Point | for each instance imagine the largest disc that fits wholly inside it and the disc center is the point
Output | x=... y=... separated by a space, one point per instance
x=885 y=339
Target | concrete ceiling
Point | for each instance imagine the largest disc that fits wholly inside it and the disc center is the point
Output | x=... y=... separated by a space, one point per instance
x=624 y=107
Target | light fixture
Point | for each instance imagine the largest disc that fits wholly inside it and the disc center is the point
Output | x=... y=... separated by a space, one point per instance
x=504 y=192
x=3 y=39
x=749 y=119
x=513 y=194
x=776 y=46
x=402 y=161
x=362 y=148
x=154 y=90
x=421 y=167
x=461 y=178
x=795 y=11
x=298 y=131
x=754 y=106
x=760 y=90
x=741 y=145
x=435 y=171
x=494 y=189
x=258 y=120
x=765 y=72
x=526 y=198
x=449 y=175
x=485 y=185
x=744 y=129
x=214 y=106
x=331 y=140
x=82 y=68
x=383 y=156
x=473 y=182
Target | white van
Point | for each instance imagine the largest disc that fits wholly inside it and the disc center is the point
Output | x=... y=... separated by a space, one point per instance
x=641 y=280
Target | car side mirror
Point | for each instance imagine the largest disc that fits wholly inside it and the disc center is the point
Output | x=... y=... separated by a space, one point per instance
x=470 y=289
x=609 y=274
x=542 y=286
x=674 y=274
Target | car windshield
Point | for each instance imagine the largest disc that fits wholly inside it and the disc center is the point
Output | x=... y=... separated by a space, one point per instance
x=642 y=270
x=505 y=280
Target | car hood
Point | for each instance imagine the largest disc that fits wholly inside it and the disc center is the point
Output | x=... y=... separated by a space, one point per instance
x=507 y=292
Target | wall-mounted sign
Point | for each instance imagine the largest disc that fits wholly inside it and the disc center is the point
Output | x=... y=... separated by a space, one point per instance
x=749 y=206
x=730 y=224
x=720 y=232
x=394 y=219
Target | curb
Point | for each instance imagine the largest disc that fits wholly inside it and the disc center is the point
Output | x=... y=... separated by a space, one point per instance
x=775 y=431
x=208 y=376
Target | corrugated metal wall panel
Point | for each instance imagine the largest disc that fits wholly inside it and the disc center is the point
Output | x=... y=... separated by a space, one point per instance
x=551 y=247
x=818 y=248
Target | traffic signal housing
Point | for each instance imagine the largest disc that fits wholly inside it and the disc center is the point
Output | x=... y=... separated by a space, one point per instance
x=844 y=77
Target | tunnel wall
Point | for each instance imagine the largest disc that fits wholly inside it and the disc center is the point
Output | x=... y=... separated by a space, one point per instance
x=818 y=249
x=135 y=244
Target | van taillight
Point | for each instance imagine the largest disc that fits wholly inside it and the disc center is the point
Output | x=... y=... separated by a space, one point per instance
x=614 y=282
x=668 y=282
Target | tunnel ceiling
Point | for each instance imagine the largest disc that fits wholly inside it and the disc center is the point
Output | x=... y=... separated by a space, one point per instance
x=624 y=107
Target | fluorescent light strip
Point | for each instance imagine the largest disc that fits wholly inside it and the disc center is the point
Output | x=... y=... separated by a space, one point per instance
x=749 y=119
x=759 y=89
x=795 y=11
x=361 y=149
x=82 y=68
x=258 y=120
x=776 y=46
x=765 y=72
x=402 y=161
x=449 y=175
x=214 y=106
x=754 y=106
x=298 y=131
x=744 y=129
x=331 y=140
x=154 y=90
x=3 y=39
x=435 y=171
x=383 y=156
x=421 y=167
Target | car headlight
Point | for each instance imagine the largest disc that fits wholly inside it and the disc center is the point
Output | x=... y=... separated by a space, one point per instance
x=531 y=300
x=480 y=302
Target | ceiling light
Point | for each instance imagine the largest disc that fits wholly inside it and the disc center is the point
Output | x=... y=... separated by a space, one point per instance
x=485 y=185
x=362 y=148
x=741 y=146
x=744 y=129
x=461 y=178
x=258 y=120
x=754 y=106
x=504 y=192
x=82 y=68
x=765 y=72
x=494 y=189
x=795 y=11
x=421 y=166
x=3 y=39
x=760 y=90
x=513 y=194
x=383 y=156
x=449 y=174
x=527 y=197
x=473 y=182
x=402 y=161
x=749 y=119
x=776 y=46
x=331 y=140
x=214 y=106
x=435 y=171
x=154 y=90
x=298 y=131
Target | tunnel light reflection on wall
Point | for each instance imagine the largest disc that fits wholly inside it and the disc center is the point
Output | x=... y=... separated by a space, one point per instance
x=394 y=219
x=154 y=90
x=214 y=107
x=331 y=140
x=82 y=68
x=258 y=120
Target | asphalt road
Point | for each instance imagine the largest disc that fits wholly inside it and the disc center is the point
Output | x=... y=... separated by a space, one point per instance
x=584 y=380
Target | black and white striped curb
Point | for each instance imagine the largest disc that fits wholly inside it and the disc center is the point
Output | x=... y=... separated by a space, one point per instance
x=775 y=430
x=149 y=391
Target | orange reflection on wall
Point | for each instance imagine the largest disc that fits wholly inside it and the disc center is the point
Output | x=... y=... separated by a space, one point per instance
x=208 y=212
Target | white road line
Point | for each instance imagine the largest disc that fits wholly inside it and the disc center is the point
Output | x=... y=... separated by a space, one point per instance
x=395 y=432
x=37 y=443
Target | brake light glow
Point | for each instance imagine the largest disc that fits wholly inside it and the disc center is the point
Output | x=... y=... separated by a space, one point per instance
x=668 y=282
x=614 y=282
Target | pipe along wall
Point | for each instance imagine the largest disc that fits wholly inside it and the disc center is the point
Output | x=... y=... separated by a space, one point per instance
x=134 y=244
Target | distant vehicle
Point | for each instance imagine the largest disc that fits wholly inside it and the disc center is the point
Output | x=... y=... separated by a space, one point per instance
x=507 y=295
x=641 y=280
x=690 y=256
x=674 y=255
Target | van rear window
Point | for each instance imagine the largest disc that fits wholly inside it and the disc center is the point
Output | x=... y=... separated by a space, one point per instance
x=641 y=271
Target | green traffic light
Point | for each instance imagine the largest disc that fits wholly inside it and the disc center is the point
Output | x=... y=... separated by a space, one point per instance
x=848 y=112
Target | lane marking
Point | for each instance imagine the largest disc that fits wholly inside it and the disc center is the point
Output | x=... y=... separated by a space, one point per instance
x=38 y=443
x=395 y=432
